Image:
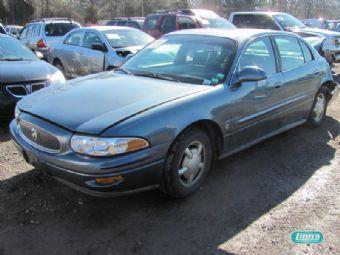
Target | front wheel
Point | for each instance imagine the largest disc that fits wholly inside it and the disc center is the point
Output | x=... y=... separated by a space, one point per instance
x=318 y=111
x=187 y=163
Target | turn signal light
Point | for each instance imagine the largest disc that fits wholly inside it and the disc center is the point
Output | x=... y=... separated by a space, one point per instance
x=41 y=44
x=109 y=180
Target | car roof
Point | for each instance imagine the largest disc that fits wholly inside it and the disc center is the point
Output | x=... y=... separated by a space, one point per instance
x=104 y=28
x=259 y=13
x=235 y=34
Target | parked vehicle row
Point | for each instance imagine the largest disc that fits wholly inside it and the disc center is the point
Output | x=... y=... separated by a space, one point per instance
x=333 y=25
x=186 y=99
x=95 y=49
x=330 y=46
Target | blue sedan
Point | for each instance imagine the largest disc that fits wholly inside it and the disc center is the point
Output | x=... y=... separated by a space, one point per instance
x=159 y=121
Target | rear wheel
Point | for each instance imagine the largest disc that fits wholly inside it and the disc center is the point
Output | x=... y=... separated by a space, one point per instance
x=318 y=111
x=59 y=66
x=187 y=163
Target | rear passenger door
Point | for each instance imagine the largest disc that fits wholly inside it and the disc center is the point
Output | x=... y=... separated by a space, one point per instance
x=301 y=76
x=70 y=53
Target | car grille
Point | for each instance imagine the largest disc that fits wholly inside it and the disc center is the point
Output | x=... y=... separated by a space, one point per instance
x=39 y=137
x=21 y=90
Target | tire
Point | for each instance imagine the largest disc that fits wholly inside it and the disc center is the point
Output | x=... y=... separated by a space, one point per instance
x=185 y=171
x=59 y=66
x=318 y=112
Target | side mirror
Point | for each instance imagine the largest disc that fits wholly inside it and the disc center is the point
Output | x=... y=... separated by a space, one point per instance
x=39 y=54
x=128 y=57
x=250 y=73
x=99 y=46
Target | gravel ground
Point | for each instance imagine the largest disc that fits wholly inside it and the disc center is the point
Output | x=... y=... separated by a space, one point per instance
x=250 y=204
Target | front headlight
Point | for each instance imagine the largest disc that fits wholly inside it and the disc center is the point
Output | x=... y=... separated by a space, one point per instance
x=57 y=77
x=105 y=147
x=16 y=112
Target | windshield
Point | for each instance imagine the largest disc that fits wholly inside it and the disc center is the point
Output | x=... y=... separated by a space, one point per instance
x=59 y=29
x=127 y=37
x=216 y=23
x=288 y=21
x=12 y=50
x=202 y=60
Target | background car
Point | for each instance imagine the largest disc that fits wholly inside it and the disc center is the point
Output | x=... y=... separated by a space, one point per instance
x=164 y=22
x=96 y=49
x=13 y=30
x=286 y=22
x=134 y=22
x=39 y=35
x=184 y=100
x=21 y=73
x=333 y=25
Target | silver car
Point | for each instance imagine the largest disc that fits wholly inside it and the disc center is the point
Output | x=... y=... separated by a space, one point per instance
x=95 y=49
x=40 y=35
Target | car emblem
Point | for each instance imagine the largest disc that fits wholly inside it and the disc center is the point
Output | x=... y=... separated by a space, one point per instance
x=34 y=134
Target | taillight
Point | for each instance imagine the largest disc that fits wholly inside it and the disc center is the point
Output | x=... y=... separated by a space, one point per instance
x=41 y=44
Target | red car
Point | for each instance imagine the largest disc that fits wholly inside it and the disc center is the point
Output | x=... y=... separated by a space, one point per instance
x=164 y=22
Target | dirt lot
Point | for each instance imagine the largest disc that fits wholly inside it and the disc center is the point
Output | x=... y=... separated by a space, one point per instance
x=250 y=204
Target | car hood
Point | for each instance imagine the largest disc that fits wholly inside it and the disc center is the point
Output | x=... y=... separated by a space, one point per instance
x=322 y=32
x=21 y=71
x=94 y=103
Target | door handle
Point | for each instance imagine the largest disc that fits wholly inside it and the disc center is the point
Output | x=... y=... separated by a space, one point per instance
x=278 y=85
x=316 y=73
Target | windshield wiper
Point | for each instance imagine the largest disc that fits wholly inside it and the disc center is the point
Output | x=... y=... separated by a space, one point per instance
x=14 y=59
x=124 y=70
x=157 y=76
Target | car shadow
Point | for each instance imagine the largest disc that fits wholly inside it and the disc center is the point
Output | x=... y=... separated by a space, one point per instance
x=46 y=215
x=4 y=131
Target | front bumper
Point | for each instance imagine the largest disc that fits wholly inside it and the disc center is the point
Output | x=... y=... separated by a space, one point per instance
x=138 y=171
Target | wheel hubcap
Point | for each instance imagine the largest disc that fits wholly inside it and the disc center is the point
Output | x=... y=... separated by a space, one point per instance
x=192 y=164
x=319 y=107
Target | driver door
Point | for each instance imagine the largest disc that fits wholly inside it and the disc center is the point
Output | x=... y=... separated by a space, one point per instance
x=258 y=108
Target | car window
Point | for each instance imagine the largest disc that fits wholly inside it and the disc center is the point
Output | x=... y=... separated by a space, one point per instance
x=37 y=30
x=150 y=22
x=23 y=34
x=254 y=21
x=59 y=29
x=30 y=31
x=119 y=38
x=186 y=23
x=202 y=60
x=90 y=38
x=111 y=23
x=121 y=23
x=290 y=52
x=306 y=52
x=74 y=38
x=133 y=24
x=168 y=24
x=259 y=53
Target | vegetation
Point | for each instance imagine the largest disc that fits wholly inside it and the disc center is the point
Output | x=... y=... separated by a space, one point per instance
x=91 y=11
